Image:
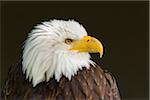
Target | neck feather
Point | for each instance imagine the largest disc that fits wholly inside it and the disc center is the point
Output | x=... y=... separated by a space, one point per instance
x=41 y=66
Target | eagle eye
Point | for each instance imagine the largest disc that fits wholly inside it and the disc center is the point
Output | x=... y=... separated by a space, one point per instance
x=68 y=41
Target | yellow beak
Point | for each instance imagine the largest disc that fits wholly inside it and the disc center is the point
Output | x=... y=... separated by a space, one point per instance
x=88 y=44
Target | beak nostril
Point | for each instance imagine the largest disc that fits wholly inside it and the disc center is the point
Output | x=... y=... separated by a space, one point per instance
x=88 y=40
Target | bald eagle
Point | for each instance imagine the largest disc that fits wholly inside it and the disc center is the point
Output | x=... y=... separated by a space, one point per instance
x=56 y=65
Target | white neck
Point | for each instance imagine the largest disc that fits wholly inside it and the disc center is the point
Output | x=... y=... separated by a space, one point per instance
x=46 y=65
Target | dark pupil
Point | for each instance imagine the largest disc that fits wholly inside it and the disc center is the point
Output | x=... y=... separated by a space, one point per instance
x=68 y=40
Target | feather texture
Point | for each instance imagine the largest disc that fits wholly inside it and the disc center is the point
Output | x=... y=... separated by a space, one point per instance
x=87 y=84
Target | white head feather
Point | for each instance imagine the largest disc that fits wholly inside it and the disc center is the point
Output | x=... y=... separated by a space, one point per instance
x=46 y=54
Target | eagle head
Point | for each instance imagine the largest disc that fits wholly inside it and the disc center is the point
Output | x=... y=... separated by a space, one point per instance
x=57 y=48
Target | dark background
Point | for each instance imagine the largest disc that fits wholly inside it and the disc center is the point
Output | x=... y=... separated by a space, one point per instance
x=121 y=26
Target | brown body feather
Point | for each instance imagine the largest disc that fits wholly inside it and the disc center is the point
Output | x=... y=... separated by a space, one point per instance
x=88 y=84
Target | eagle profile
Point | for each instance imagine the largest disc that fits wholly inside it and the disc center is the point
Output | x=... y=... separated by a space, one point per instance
x=56 y=65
